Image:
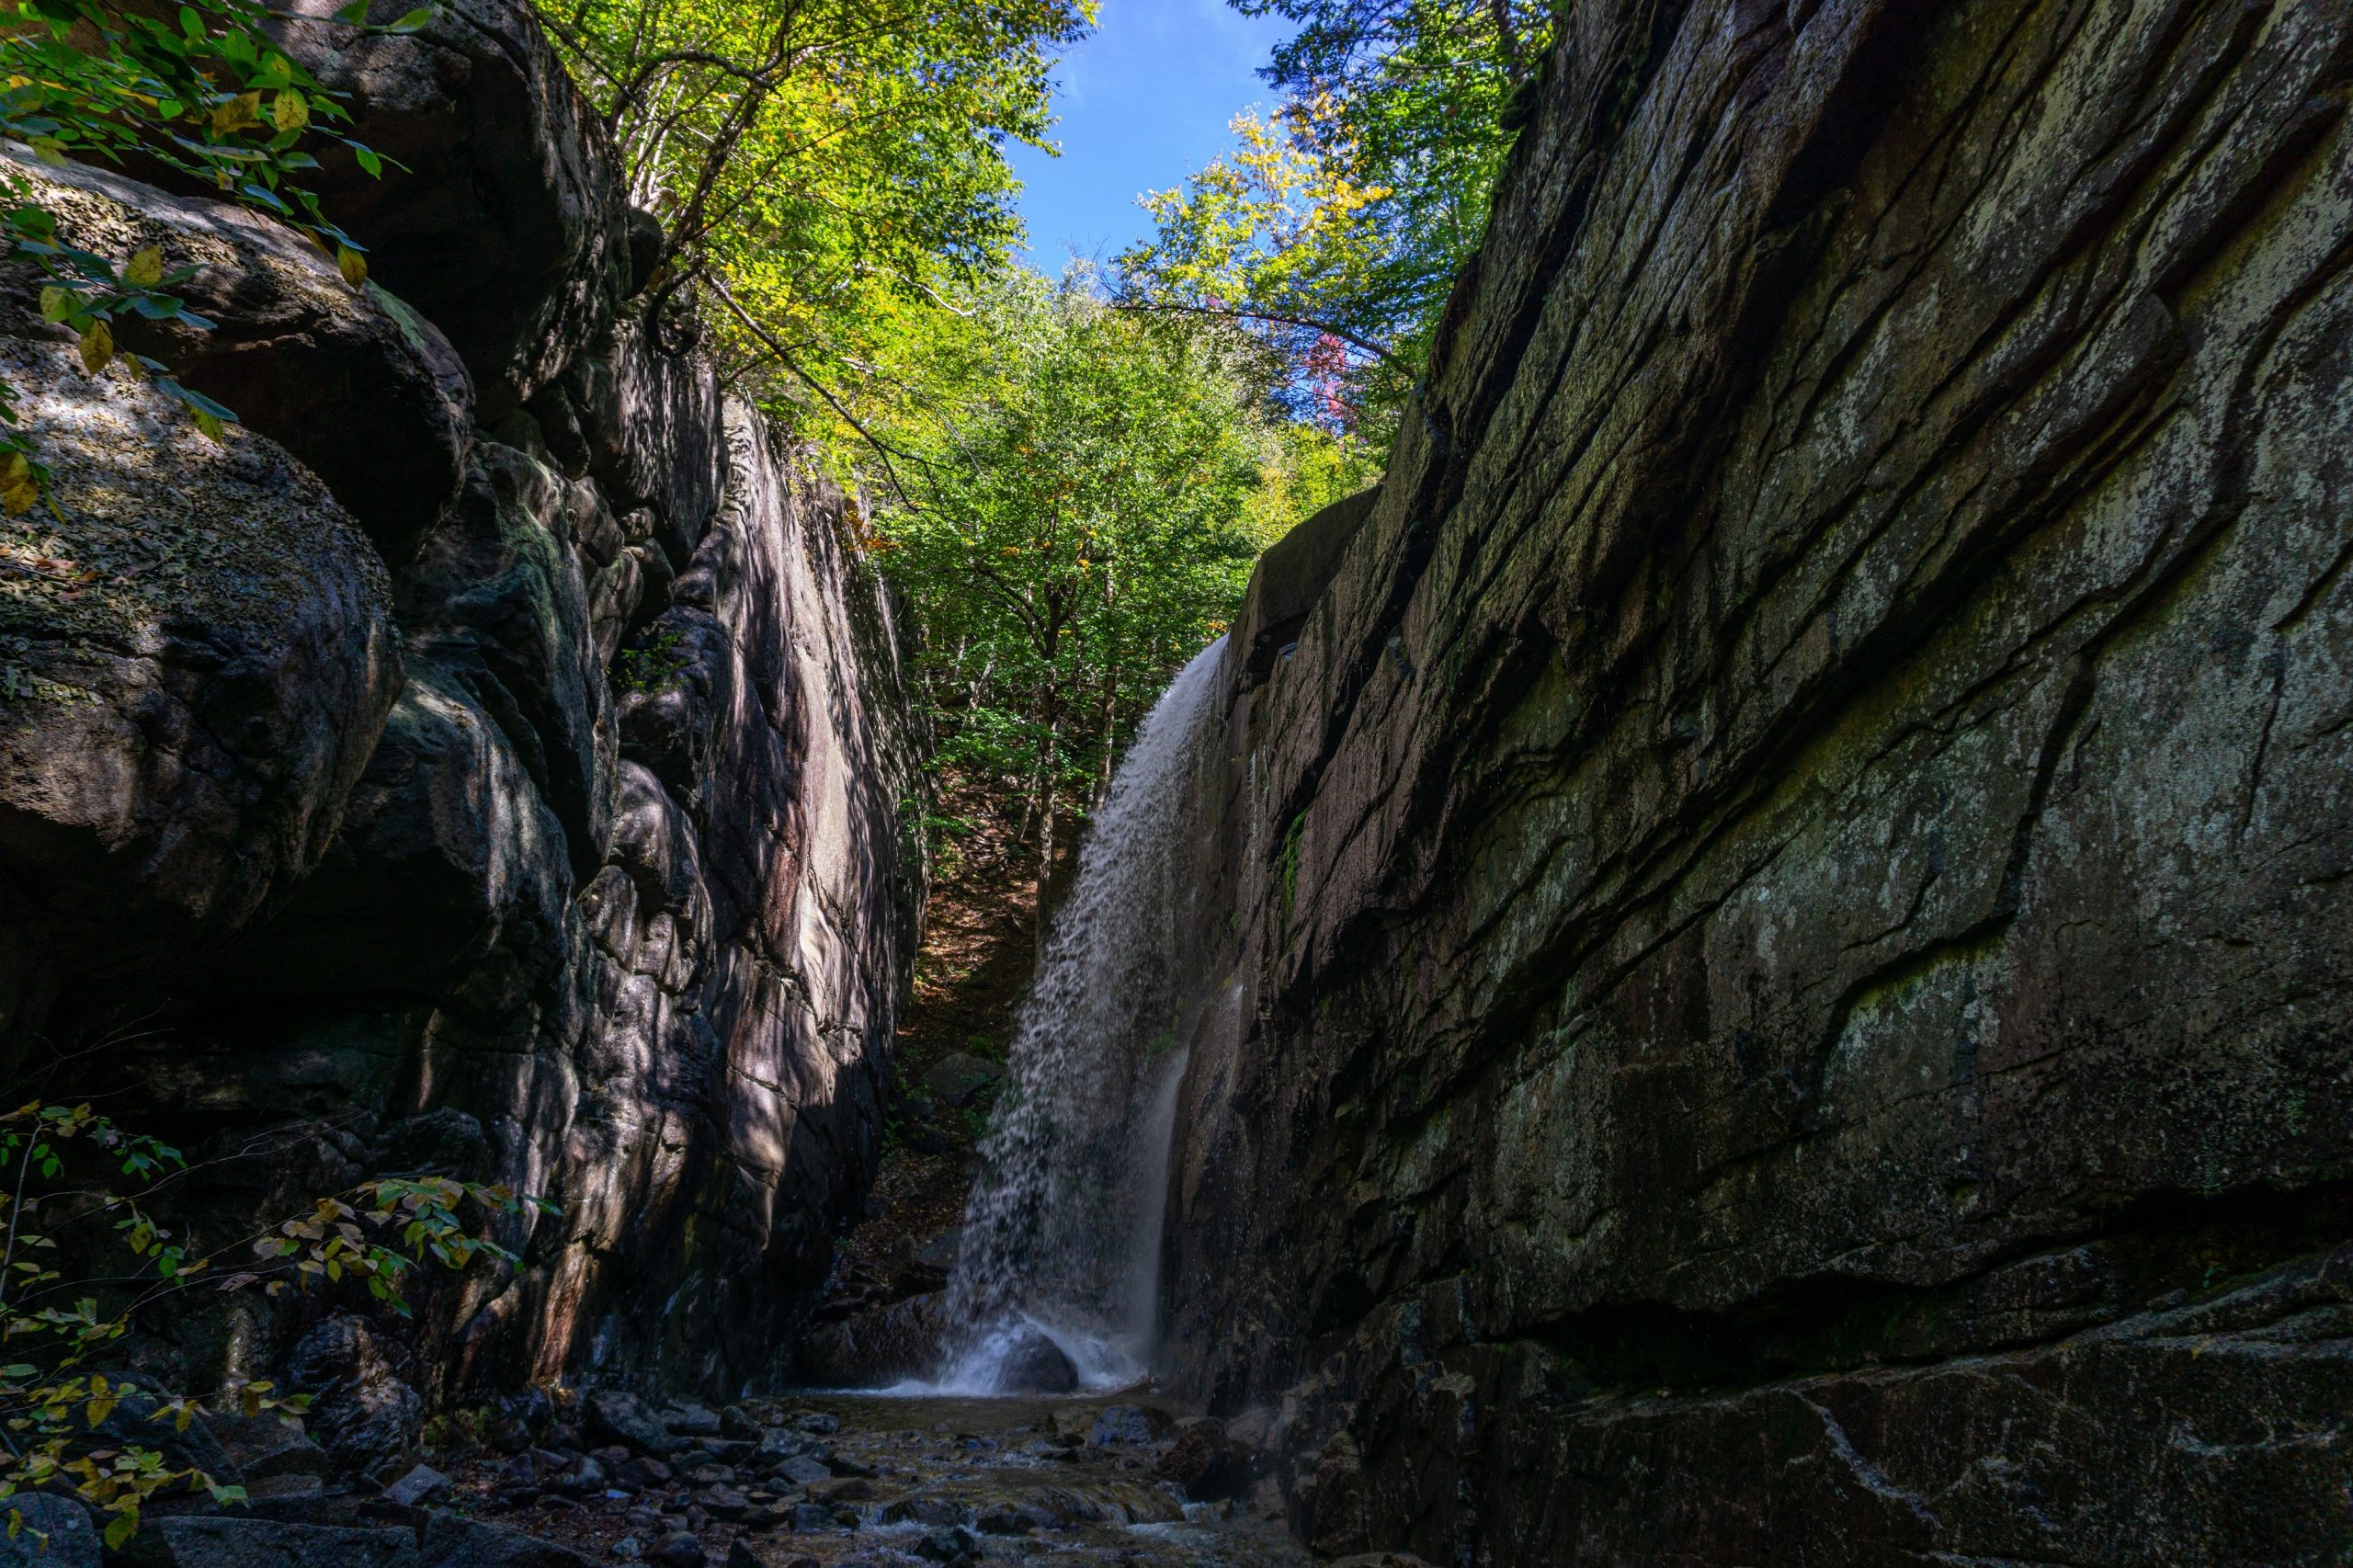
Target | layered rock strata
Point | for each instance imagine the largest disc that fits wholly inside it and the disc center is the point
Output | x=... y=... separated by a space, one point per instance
x=490 y=760
x=1794 y=985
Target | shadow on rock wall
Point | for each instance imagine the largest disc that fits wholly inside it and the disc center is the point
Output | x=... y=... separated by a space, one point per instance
x=500 y=773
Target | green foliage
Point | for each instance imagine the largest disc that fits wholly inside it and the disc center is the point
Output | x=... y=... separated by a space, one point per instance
x=1338 y=225
x=202 y=89
x=651 y=664
x=824 y=168
x=1078 y=509
x=78 y=1187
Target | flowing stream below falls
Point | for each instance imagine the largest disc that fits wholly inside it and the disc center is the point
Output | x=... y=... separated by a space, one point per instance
x=1061 y=1250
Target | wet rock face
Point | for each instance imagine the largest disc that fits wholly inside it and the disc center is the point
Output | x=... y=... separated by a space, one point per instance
x=1792 y=886
x=453 y=788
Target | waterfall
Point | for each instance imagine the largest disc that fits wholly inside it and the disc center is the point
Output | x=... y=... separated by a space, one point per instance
x=1063 y=1229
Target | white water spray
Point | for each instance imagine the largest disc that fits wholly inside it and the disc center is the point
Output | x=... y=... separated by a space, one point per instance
x=1062 y=1232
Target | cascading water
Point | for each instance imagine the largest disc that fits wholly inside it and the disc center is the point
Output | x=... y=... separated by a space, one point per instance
x=1063 y=1230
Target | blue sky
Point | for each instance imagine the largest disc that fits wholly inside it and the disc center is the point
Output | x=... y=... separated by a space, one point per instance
x=1144 y=101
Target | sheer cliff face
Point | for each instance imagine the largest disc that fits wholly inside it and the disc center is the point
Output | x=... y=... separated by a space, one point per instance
x=1792 y=943
x=491 y=761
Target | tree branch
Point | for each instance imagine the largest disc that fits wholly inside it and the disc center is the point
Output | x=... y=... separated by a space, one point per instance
x=1380 y=351
x=882 y=449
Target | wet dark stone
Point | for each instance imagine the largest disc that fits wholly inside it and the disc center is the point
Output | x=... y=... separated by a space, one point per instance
x=1037 y=1365
x=808 y=1516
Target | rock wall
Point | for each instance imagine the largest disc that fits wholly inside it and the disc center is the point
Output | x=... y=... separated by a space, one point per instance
x=1793 y=965
x=490 y=760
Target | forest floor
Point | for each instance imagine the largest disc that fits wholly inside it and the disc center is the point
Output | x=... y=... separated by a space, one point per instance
x=979 y=950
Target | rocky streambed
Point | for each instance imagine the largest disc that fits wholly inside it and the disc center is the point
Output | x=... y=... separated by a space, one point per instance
x=831 y=1480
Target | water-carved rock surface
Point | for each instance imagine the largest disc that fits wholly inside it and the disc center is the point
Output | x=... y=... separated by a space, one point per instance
x=1792 y=886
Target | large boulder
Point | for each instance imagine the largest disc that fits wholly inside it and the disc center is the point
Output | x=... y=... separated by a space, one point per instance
x=879 y=1346
x=195 y=656
x=367 y=395
x=363 y=1412
x=508 y=230
x=237 y=1543
x=454 y=1542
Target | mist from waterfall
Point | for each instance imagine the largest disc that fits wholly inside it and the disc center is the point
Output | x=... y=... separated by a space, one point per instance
x=1063 y=1229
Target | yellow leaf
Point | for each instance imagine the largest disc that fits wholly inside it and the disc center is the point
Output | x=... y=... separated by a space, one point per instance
x=291 y=112
x=56 y=302
x=98 y=348
x=50 y=150
x=352 y=265
x=236 y=114
x=18 y=491
x=146 y=267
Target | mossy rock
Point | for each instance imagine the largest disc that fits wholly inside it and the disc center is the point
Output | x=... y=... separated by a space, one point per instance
x=196 y=657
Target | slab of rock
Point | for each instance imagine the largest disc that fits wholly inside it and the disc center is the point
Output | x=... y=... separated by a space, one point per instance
x=268 y=1445
x=297 y=1495
x=1127 y=1425
x=195 y=661
x=803 y=1469
x=1204 y=1463
x=363 y=1412
x=453 y=1543
x=39 y=1531
x=624 y=1418
x=420 y=1488
x=680 y=1550
x=877 y=1347
x=691 y=1420
x=230 y=1543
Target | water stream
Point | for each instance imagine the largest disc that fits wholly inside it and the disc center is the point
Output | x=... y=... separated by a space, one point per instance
x=1063 y=1230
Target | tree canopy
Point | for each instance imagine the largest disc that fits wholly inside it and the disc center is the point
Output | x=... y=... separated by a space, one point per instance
x=1088 y=490
x=1338 y=224
x=824 y=169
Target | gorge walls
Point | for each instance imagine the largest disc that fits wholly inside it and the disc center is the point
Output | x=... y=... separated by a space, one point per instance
x=490 y=761
x=1789 y=995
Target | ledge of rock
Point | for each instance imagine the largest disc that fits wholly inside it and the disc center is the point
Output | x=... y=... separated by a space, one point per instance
x=509 y=232
x=363 y=391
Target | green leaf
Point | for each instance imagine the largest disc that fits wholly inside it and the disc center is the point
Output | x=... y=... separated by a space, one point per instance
x=412 y=22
